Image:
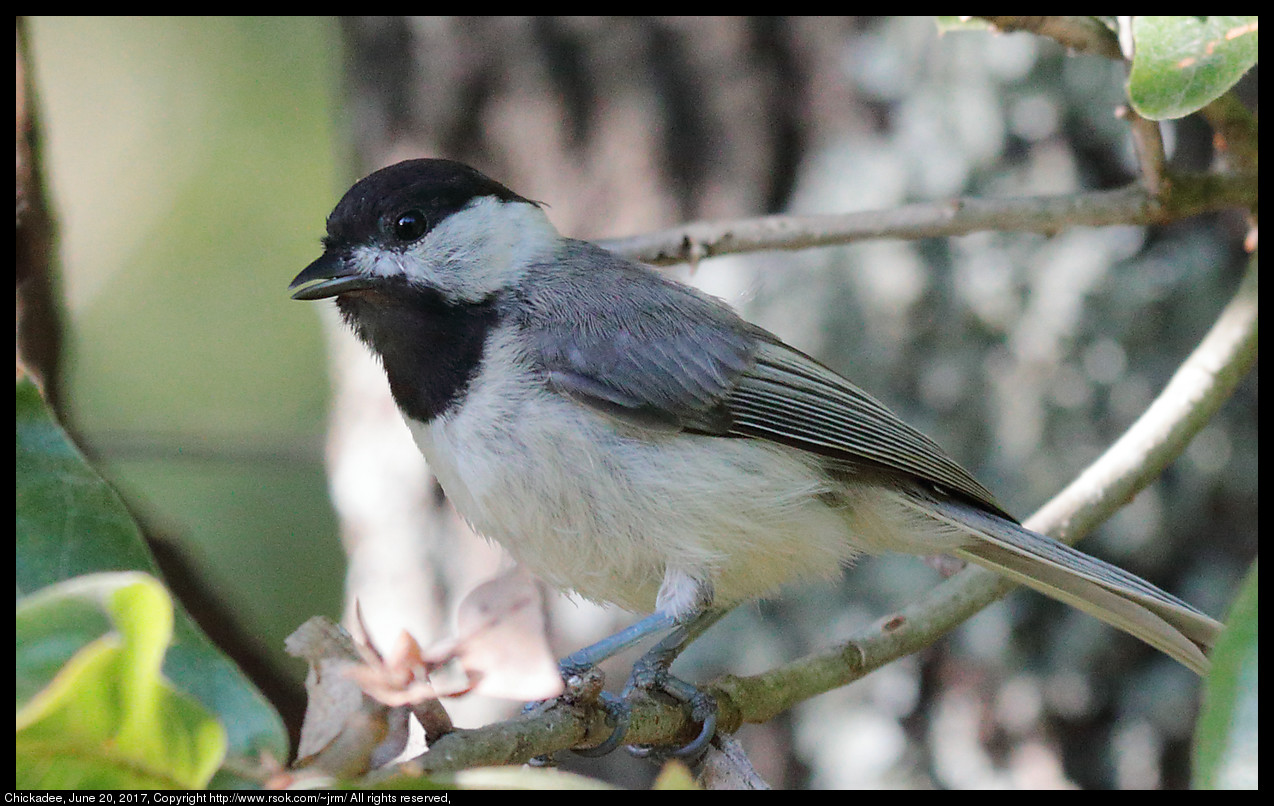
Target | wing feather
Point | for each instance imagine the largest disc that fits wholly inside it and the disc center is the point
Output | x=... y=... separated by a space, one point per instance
x=790 y=397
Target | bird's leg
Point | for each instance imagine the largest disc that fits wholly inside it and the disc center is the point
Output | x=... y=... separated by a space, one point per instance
x=650 y=673
x=684 y=607
x=578 y=663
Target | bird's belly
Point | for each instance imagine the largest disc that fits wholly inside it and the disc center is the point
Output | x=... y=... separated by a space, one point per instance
x=605 y=510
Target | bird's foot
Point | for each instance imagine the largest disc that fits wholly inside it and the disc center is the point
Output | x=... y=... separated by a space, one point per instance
x=650 y=674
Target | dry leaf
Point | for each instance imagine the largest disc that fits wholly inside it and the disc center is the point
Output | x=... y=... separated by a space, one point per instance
x=503 y=644
x=344 y=732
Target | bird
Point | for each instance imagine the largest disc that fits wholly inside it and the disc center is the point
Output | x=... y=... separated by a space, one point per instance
x=633 y=440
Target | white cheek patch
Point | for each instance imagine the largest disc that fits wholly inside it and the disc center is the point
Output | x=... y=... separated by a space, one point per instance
x=477 y=251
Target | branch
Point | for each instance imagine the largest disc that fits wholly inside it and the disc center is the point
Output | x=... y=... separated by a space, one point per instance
x=1147 y=141
x=561 y=726
x=1080 y=34
x=1188 y=195
x=1200 y=386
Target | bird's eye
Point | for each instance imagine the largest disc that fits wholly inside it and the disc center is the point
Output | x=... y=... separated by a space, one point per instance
x=409 y=226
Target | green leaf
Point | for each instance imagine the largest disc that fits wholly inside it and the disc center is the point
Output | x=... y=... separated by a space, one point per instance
x=106 y=718
x=1181 y=64
x=71 y=522
x=1226 y=738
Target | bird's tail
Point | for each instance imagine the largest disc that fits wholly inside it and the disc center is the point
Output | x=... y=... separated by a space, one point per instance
x=1098 y=588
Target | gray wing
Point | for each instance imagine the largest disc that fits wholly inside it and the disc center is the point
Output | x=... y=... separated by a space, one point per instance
x=788 y=397
x=614 y=335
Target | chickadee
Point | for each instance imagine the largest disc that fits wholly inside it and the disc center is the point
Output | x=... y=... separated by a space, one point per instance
x=633 y=440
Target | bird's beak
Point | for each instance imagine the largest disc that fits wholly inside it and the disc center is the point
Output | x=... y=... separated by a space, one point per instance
x=335 y=276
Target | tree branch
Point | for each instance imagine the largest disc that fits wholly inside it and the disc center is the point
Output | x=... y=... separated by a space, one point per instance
x=1200 y=386
x=1188 y=195
x=1080 y=34
x=1147 y=142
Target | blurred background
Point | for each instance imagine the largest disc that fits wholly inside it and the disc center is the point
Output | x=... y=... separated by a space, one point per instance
x=190 y=164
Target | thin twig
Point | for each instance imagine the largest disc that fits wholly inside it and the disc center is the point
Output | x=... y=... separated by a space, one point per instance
x=1200 y=386
x=1192 y=194
x=1080 y=34
x=1147 y=142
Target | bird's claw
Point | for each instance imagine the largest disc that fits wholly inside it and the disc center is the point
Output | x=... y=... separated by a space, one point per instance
x=647 y=677
x=703 y=709
x=650 y=673
x=618 y=713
